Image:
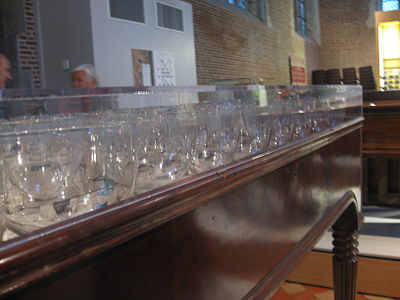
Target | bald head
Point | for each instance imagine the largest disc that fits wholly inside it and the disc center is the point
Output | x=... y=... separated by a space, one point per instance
x=5 y=69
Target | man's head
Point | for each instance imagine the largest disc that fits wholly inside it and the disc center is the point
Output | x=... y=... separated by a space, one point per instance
x=5 y=69
x=84 y=76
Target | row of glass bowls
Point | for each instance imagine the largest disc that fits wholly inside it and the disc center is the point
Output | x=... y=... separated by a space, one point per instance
x=54 y=167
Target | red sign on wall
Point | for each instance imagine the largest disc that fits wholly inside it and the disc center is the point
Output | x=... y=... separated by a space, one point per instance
x=298 y=75
x=298 y=71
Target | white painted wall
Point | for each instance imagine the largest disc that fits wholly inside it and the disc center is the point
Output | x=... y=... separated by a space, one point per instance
x=113 y=41
x=82 y=32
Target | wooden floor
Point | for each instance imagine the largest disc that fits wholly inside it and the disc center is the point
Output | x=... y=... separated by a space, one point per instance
x=376 y=276
x=296 y=291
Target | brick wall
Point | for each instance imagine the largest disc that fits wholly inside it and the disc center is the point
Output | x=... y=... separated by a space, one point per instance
x=229 y=45
x=27 y=49
x=347 y=34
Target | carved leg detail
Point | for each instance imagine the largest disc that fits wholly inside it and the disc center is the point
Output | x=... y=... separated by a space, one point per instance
x=345 y=261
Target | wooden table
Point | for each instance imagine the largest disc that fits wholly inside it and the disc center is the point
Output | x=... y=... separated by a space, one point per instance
x=231 y=233
x=381 y=148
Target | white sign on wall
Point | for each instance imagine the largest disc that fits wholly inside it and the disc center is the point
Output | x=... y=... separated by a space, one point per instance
x=164 y=68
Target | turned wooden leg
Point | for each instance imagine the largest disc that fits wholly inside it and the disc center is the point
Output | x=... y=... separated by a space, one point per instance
x=345 y=254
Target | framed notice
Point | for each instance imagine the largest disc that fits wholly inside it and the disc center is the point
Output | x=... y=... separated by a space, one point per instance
x=142 y=67
x=298 y=74
x=164 y=68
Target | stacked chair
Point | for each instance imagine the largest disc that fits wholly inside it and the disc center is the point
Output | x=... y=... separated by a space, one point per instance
x=319 y=77
x=333 y=76
x=349 y=76
x=367 y=78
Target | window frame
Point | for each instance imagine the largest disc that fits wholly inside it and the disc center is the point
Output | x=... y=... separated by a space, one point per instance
x=243 y=12
x=166 y=28
x=126 y=20
x=261 y=6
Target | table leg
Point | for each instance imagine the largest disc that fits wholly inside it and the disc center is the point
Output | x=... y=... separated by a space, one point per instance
x=345 y=254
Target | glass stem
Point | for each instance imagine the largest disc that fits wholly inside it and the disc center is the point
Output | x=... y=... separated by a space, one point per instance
x=47 y=211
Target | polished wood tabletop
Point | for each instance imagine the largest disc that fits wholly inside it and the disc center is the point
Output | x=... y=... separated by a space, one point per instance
x=381 y=132
x=381 y=104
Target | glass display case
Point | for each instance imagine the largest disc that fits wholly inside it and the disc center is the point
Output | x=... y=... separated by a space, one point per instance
x=69 y=152
x=205 y=192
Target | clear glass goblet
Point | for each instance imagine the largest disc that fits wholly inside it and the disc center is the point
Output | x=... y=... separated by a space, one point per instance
x=250 y=139
x=36 y=166
x=216 y=136
x=108 y=167
x=163 y=149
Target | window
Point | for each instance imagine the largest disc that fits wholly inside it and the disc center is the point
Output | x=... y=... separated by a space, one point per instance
x=255 y=7
x=300 y=17
x=128 y=10
x=169 y=17
x=239 y=3
x=388 y=5
x=306 y=19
